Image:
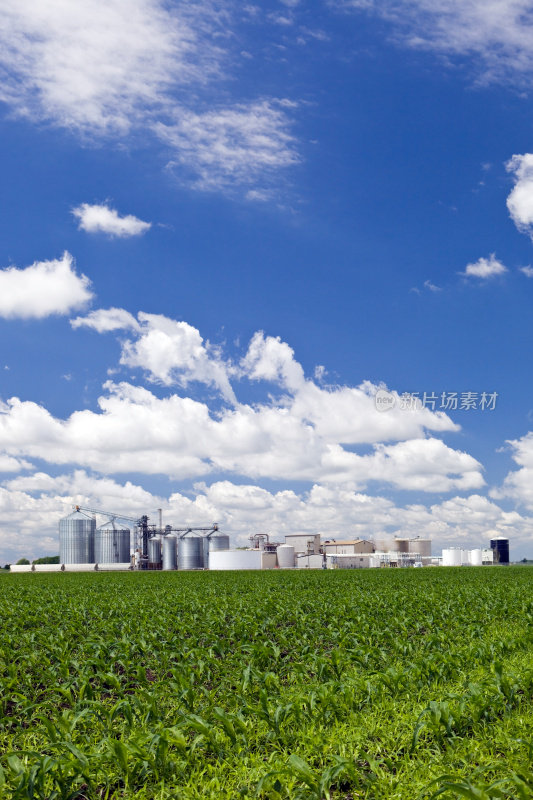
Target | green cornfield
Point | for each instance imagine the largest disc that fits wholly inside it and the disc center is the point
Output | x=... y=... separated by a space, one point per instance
x=375 y=684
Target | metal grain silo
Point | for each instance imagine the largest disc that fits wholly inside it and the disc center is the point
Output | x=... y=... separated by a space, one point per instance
x=170 y=552
x=191 y=553
x=154 y=553
x=76 y=539
x=213 y=543
x=111 y=544
x=218 y=541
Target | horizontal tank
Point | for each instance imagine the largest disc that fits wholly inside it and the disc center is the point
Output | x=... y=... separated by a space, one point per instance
x=191 y=552
x=76 y=539
x=170 y=552
x=111 y=544
x=238 y=559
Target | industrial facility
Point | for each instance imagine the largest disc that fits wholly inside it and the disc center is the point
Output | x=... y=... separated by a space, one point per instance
x=141 y=545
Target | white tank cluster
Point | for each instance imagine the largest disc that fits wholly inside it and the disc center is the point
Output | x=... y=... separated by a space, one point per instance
x=460 y=557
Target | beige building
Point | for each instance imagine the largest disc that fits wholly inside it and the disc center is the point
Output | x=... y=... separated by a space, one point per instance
x=307 y=543
x=348 y=547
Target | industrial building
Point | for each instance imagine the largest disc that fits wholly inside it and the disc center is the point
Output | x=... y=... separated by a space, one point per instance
x=114 y=546
x=346 y=547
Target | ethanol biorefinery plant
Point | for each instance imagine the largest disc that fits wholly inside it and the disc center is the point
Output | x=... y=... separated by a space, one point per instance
x=141 y=545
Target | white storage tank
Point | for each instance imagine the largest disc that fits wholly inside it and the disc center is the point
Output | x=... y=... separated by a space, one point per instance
x=476 y=557
x=286 y=556
x=451 y=557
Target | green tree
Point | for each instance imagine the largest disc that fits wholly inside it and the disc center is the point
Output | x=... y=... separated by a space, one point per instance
x=47 y=560
x=22 y=561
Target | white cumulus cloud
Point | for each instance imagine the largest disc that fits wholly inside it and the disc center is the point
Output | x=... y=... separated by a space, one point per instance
x=42 y=289
x=485 y=268
x=518 y=484
x=175 y=352
x=520 y=200
x=104 y=320
x=102 y=219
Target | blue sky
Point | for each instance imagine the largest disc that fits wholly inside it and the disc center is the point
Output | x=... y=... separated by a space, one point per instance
x=225 y=227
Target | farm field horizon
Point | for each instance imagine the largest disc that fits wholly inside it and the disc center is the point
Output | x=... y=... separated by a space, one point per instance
x=307 y=685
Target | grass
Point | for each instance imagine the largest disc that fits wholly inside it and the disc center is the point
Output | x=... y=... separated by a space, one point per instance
x=373 y=684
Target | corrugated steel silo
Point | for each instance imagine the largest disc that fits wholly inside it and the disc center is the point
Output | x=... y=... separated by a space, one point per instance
x=214 y=543
x=218 y=541
x=170 y=552
x=191 y=552
x=154 y=552
x=76 y=538
x=111 y=544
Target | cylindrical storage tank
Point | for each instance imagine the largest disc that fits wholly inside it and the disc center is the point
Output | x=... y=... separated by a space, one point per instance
x=286 y=556
x=422 y=546
x=500 y=548
x=214 y=544
x=154 y=553
x=476 y=557
x=451 y=557
x=111 y=544
x=218 y=541
x=403 y=545
x=76 y=539
x=170 y=552
x=465 y=557
x=191 y=552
